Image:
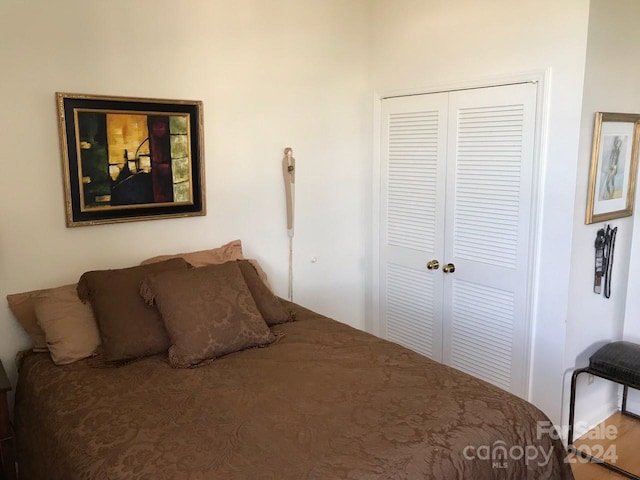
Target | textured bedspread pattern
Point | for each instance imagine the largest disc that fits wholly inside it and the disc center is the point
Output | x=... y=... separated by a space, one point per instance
x=324 y=402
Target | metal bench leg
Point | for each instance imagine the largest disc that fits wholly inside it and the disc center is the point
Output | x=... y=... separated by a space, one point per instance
x=572 y=404
x=585 y=455
x=623 y=409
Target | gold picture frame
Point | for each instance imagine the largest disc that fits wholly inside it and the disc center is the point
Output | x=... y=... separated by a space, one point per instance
x=614 y=164
x=126 y=159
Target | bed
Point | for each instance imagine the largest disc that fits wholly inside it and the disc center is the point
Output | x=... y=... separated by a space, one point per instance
x=320 y=401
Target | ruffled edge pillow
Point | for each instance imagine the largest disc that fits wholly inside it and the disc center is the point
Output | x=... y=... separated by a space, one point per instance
x=208 y=312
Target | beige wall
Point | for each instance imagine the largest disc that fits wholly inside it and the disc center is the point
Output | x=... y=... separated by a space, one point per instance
x=442 y=43
x=612 y=84
x=271 y=75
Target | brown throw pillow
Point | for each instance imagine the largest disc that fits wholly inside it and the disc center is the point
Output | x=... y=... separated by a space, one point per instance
x=268 y=304
x=69 y=325
x=129 y=328
x=208 y=312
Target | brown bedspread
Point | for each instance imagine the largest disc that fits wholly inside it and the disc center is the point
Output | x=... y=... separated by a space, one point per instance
x=324 y=402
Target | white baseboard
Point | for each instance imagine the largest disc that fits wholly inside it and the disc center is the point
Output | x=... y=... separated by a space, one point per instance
x=582 y=426
x=605 y=411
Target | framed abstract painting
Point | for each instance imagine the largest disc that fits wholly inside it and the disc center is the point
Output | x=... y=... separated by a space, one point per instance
x=126 y=159
x=614 y=164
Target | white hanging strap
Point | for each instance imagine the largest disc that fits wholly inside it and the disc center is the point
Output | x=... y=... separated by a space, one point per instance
x=289 y=173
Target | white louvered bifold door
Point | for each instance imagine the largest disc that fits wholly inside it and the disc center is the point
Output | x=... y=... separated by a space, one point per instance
x=488 y=218
x=413 y=155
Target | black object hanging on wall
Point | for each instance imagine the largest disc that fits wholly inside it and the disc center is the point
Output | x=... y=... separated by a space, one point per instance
x=604 y=246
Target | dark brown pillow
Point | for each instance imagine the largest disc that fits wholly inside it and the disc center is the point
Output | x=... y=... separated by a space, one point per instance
x=129 y=328
x=268 y=304
x=208 y=312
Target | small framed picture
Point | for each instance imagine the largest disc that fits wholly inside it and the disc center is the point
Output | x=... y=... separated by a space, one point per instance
x=126 y=159
x=614 y=162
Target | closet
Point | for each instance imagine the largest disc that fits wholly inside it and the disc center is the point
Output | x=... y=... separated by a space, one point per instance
x=456 y=179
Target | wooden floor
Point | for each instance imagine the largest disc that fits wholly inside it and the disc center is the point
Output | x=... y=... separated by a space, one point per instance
x=617 y=436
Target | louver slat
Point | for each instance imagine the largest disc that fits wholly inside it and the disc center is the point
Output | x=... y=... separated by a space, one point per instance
x=482 y=331
x=488 y=176
x=412 y=164
x=410 y=309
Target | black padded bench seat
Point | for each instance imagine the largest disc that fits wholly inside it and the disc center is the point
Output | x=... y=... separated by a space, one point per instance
x=618 y=362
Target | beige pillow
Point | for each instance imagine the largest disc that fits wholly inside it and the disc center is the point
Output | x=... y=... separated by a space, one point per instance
x=69 y=326
x=21 y=304
x=208 y=312
x=201 y=258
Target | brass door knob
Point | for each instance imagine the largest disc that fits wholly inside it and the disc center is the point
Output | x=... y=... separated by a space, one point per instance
x=433 y=265
x=449 y=268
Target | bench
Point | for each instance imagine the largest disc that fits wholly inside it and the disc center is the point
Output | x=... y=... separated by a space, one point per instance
x=617 y=362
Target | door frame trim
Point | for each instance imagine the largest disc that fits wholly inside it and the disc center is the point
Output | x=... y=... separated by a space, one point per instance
x=542 y=79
